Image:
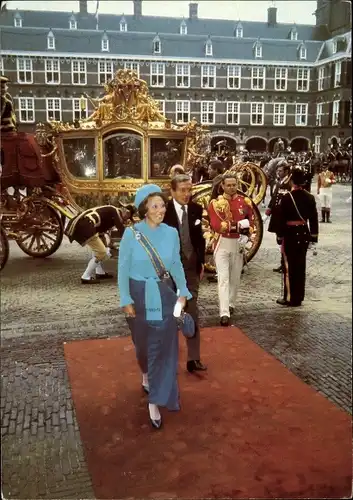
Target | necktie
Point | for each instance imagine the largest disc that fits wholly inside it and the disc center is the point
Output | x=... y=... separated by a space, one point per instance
x=184 y=233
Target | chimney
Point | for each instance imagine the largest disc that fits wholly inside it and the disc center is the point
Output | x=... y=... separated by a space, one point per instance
x=193 y=10
x=137 y=8
x=272 y=16
x=83 y=7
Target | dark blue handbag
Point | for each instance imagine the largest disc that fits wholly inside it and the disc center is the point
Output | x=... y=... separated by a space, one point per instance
x=186 y=325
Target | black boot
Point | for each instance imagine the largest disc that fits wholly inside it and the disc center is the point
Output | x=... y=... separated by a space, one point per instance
x=328 y=213
x=323 y=213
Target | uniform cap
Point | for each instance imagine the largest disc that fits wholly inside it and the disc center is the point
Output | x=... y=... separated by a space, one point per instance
x=4 y=79
x=144 y=191
x=298 y=176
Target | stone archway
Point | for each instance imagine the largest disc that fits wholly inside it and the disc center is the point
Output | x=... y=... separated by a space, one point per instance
x=347 y=141
x=256 y=144
x=272 y=142
x=299 y=144
x=222 y=141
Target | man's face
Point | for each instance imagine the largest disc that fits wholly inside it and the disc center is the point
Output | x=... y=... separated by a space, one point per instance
x=4 y=88
x=212 y=173
x=182 y=193
x=281 y=173
x=230 y=186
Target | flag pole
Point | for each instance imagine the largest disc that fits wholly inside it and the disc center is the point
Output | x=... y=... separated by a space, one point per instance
x=97 y=15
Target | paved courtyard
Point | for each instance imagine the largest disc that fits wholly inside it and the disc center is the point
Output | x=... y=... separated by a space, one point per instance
x=44 y=305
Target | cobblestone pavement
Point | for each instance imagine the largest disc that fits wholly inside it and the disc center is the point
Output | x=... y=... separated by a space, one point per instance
x=44 y=305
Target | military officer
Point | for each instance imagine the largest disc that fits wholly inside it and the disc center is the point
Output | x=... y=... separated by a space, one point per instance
x=283 y=185
x=231 y=217
x=324 y=189
x=87 y=228
x=297 y=229
x=8 y=117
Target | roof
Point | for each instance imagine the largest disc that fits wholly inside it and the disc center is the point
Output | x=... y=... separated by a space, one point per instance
x=343 y=46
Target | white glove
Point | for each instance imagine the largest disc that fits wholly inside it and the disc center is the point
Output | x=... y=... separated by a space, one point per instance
x=264 y=218
x=108 y=252
x=243 y=224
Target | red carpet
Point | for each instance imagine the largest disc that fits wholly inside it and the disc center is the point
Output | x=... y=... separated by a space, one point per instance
x=247 y=429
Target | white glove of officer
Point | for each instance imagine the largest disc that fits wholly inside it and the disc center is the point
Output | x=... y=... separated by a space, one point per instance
x=264 y=218
x=243 y=224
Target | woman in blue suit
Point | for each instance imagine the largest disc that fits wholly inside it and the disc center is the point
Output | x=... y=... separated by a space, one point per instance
x=148 y=298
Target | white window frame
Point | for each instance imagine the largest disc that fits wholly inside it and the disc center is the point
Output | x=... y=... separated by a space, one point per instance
x=25 y=66
x=17 y=22
x=256 y=72
x=78 y=111
x=317 y=144
x=321 y=78
x=279 y=114
x=303 y=79
x=105 y=44
x=51 y=41
x=81 y=70
x=182 y=111
x=334 y=46
x=161 y=104
x=208 y=48
x=239 y=32
x=123 y=26
x=208 y=112
x=258 y=51
x=157 y=73
x=301 y=110
x=183 y=29
x=319 y=113
x=234 y=77
x=26 y=106
x=51 y=106
x=338 y=73
x=72 y=24
x=208 y=77
x=294 y=35
x=52 y=67
x=233 y=113
x=281 y=76
x=335 y=113
x=105 y=71
x=133 y=66
x=302 y=53
x=182 y=76
x=157 y=46
x=257 y=109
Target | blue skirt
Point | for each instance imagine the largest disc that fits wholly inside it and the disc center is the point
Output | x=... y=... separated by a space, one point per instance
x=156 y=344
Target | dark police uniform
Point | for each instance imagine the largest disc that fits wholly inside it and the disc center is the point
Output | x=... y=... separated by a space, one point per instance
x=281 y=188
x=294 y=234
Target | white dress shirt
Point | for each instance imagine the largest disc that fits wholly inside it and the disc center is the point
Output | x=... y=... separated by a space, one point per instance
x=179 y=210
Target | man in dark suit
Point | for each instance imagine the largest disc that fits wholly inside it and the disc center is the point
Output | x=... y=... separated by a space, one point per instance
x=186 y=217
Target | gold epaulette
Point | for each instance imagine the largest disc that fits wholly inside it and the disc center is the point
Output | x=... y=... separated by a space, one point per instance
x=221 y=203
x=247 y=200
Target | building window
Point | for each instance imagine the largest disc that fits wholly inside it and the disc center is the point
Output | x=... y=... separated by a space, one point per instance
x=257 y=78
x=321 y=79
x=161 y=105
x=207 y=112
x=157 y=75
x=1 y=67
x=303 y=76
x=183 y=29
x=301 y=115
x=182 y=73
x=52 y=71
x=239 y=32
x=133 y=66
x=302 y=53
x=338 y=70
x=281 y=75
x=208 y=77
x=335 y=113
x=279 y=114
x=319 y=114
x=79 y=109
x=26 y=109
x=334 y=46
x=234 y=77
x=53 y=109
x=73 y=24
x=18 y=22
x=105 y=71
x=123 y=26
x=317 y=144
x=294 y=35
x=105 y=44
x=182 y=111
x=79 y=72
x=156 y=46
x=24 y=71
x=257 y=113
x=208 y=48
x=258 y=51
x=51 y=41
x=233 y=113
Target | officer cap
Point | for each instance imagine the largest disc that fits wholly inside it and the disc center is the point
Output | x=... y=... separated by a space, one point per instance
x=4 y=79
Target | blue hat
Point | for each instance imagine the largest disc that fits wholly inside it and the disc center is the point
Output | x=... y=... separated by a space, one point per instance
x=144 y=191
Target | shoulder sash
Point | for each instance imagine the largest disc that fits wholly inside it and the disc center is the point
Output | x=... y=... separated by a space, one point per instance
x=156 y=260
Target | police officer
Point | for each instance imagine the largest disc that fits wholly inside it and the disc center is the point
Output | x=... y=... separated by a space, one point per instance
x=297 y=228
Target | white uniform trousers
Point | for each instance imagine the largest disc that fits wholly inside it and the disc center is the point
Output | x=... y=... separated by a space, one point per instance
x=325 y=196
x=229 y=264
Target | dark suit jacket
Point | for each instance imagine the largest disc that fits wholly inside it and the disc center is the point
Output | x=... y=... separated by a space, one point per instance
x=196 y=235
